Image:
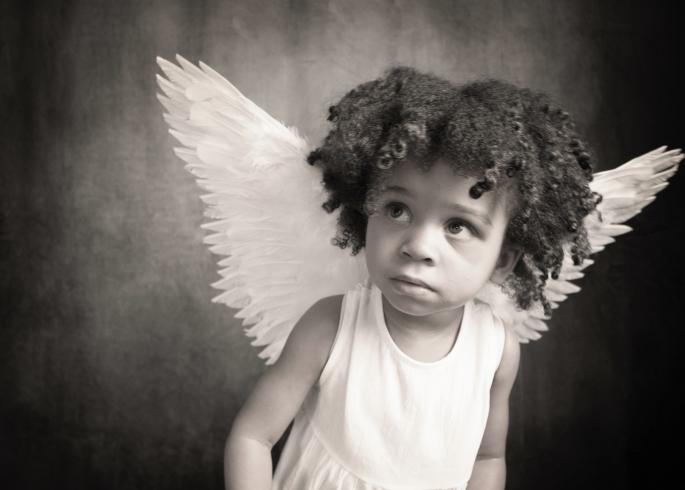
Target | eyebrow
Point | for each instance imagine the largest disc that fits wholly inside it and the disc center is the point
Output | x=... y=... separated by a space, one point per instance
x=458 y=207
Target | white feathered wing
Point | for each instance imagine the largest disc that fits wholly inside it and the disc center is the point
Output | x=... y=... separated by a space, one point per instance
x=625 y=191
x=264 y=203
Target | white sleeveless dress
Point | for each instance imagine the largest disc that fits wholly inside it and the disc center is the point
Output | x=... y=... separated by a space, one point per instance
x=378 y=419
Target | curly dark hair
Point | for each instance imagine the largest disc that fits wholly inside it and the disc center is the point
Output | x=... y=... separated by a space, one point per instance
x=493 y=130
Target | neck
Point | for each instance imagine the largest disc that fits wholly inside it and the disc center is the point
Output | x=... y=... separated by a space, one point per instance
x=429 y=327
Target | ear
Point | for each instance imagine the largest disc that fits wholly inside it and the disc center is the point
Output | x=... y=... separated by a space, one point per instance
x=508 y=257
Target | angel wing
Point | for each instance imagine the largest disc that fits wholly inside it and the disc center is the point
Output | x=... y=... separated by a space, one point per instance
x=263 y=202
x=625 y=191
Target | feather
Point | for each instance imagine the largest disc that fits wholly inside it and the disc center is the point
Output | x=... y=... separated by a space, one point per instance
x=278 y=259
x=625 y=191
x=272 y=271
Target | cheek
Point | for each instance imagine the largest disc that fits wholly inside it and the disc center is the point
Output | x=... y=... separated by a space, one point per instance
x=372 y=235
x=379 y=240
x=480 y=254
x=473 y=263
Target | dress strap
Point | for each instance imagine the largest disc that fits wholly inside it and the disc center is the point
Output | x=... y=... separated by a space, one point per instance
x=343 y=336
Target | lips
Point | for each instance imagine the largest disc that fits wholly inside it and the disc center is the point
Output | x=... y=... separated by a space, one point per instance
x=412 y=280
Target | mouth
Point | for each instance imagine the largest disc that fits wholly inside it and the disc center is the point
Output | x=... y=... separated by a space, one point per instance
x=412 y=282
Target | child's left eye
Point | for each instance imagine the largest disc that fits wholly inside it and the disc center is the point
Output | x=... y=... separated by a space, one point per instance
x=459 y=228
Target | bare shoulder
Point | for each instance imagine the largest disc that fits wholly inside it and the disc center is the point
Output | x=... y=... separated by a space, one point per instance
x=509 y=364
x=312 y=336
x=282 y=388
x=493 y=444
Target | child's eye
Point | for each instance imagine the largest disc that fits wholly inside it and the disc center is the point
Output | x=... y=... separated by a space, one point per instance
x=397 y=211
x=460 y=228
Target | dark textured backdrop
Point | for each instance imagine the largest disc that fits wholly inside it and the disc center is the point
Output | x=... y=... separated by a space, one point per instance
x=117 y=372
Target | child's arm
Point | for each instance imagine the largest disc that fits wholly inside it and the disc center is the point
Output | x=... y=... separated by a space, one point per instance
x=277 y=397
x=490 y=471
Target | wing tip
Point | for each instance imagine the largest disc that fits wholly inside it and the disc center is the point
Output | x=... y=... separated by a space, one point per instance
x=164 y=63
x=180 y=59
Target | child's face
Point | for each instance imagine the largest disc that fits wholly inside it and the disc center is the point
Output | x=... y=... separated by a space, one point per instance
x=428 y=228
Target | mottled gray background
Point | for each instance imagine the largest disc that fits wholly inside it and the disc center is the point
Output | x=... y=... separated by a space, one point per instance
x=116 y=371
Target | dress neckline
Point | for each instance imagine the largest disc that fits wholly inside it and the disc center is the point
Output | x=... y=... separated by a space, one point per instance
x=377 y=305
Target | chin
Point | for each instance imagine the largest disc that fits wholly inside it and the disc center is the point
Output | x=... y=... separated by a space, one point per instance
x=419 y=303
x=410 y=302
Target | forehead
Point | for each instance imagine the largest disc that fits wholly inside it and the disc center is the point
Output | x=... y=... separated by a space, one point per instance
x=441 y=184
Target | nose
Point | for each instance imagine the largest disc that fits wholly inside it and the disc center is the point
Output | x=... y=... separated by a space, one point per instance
x=419 y=245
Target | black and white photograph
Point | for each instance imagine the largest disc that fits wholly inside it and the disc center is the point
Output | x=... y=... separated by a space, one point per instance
x=341 y=244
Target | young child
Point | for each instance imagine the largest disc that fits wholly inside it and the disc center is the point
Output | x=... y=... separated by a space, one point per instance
x=403 y=382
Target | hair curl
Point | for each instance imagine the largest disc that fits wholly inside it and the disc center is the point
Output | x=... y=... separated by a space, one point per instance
x=491 y=129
